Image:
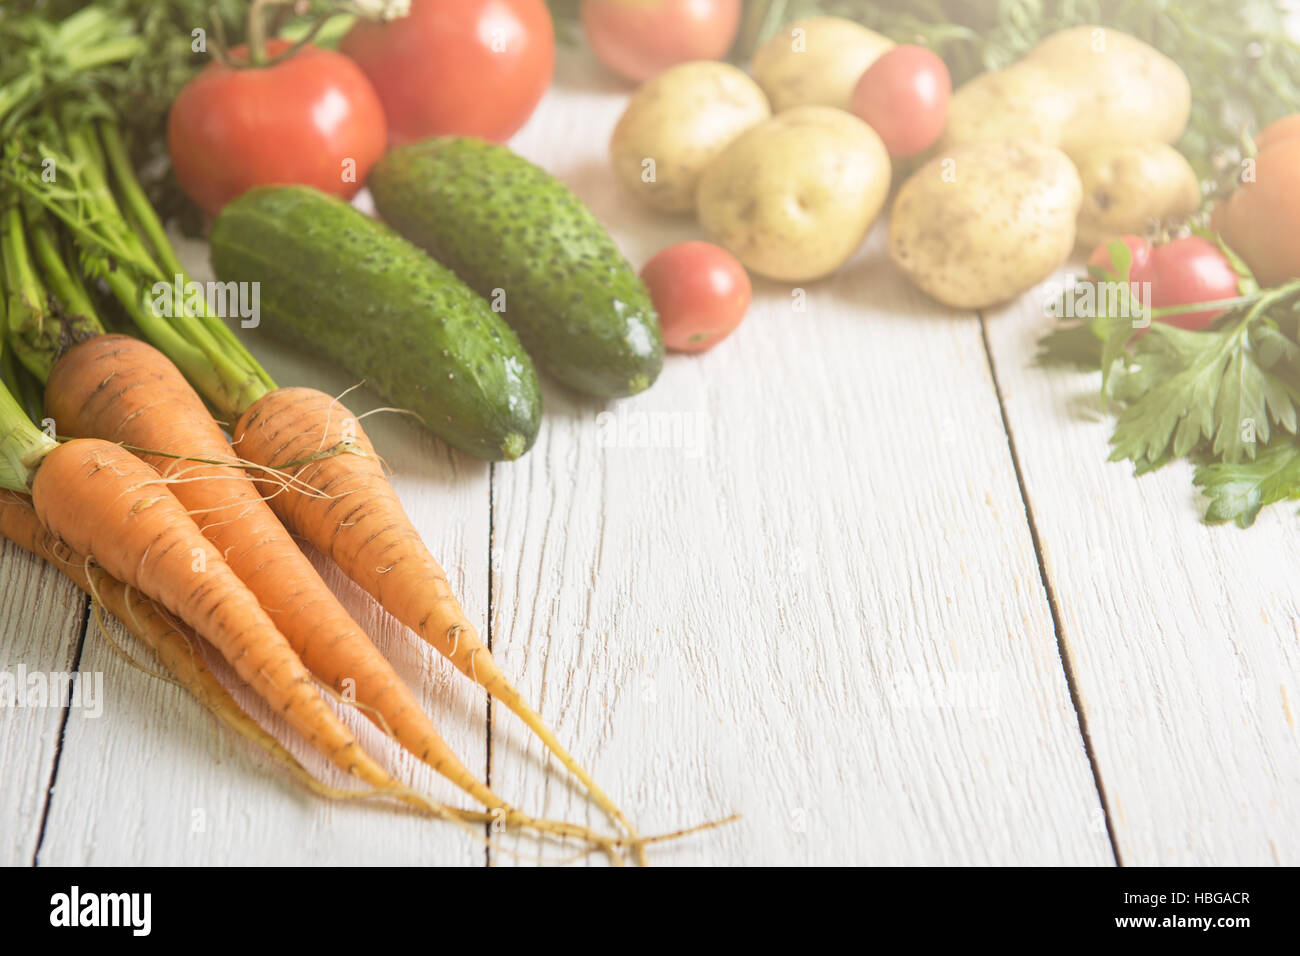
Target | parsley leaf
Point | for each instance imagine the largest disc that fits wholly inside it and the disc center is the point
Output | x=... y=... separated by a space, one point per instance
x=1170 y=394
x=1238 y=491
x=1227 y=386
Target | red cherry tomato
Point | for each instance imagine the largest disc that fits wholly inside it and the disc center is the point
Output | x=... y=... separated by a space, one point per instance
x=1187 y=270
x=312 y=119
x=904 y=97
x=1141 y=268
x=638 y=39
x=462 y=67
x=700 y=291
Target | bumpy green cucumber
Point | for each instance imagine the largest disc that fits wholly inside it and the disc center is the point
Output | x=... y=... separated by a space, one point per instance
x=513 y=231
x=339 y=283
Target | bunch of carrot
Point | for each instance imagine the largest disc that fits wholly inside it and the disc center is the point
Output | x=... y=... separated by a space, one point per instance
x=150 y=508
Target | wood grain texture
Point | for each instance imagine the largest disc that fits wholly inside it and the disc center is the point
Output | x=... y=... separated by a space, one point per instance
x=134 y=784
x=41 y=617
x=818 y=605
x=1183 y=636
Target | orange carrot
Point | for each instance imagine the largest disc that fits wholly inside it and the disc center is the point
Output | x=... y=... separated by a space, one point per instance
x=123 y=390
x=120 y=389
x=358 y=521
x=105 y=503
x=175 y=649
x=20 y=523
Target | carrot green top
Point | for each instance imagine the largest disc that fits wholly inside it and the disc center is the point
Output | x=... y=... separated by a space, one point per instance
x=22 y=444
x=99 y=203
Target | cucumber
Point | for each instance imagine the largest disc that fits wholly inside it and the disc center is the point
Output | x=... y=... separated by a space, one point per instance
x=335 y=281
x=507 y=226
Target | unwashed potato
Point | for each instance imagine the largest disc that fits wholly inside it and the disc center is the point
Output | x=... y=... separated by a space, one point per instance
x=985 y=222
x=681 y=120
x=816 y=62
x=793 y=197
x=1025 y=101
x=1127 y=187
x=1077 y=88
x=1125 y=90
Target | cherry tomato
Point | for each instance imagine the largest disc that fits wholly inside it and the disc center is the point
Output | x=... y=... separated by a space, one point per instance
x=904 y=97
x=1141 y=268
x=1189 y=270
x=312 y=119
x=638 y=39
x=1261 y=220
x=462 y=67
x=700 y=291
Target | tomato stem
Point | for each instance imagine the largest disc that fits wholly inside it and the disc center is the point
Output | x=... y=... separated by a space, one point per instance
x=1270 y=295
x=297 y=45
x=220 y=45
x=257 y=32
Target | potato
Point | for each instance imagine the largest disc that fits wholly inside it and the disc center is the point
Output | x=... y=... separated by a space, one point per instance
x=1127 y=187
x=816 y=62
x=681 y=120
x=1021 y=102
x=986 y=222
x=793 y=197
x=1078 y=88
x=1110 y=102
x=1125 y=91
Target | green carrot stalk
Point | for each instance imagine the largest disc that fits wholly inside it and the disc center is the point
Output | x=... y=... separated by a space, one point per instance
x=66 y=289
x=28 y=324
x=20 y=382
x=22 y=445
x=198 y=343
x=142 y=213
x=205 y=350
x=133 y=198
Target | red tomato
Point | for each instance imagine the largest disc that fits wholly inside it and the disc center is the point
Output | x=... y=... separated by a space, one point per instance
x=700 y=291
x=462 y=67
x=1190 y=270
x=311 y=119
x=1141 y=268
x=904 y=97
x=638 y=39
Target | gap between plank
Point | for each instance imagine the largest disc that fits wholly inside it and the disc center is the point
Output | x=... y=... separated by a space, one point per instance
x=63 y=730
x=487 y=768
x=1066 y=663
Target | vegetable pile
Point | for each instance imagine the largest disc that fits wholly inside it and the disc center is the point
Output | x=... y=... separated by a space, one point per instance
x=1129 y=128
x=1243 y=69
x=140 y=489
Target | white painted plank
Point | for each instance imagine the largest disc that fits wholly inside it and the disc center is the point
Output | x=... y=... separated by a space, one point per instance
x=1182 y=635
x=130 y=784
x=41 y=614
x=821 y=610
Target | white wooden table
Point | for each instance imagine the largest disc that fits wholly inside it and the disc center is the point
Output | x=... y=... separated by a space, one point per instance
x=870 y=583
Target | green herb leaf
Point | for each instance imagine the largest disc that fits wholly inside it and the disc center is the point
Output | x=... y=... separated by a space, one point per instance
x=1226 y=387
x=1238 y=491
x=1240 y=416
x=1171 y=393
